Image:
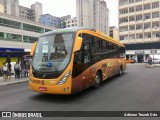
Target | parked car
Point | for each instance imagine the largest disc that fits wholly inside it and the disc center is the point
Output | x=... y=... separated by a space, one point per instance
x=134 y=61
x=129 y=61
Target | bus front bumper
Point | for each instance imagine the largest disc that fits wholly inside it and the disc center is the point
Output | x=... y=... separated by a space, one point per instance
x=57 y=89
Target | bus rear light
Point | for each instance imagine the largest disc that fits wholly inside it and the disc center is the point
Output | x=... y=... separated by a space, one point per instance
x=64 y=79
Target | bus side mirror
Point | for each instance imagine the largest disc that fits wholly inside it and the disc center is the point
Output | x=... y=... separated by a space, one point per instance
x=33 y=49
x=78 y=44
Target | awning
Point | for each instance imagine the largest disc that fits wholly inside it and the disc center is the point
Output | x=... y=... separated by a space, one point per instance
x=12 y=52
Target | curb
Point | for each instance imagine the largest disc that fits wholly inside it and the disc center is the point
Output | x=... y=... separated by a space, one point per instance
x=14 y=82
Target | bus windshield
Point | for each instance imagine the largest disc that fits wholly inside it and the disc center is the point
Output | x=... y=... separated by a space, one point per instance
x=53 y=52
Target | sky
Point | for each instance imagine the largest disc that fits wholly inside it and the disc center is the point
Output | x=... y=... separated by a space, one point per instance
x=61 y=8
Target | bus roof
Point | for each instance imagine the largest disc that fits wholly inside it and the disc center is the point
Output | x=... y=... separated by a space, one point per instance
x=76 y=29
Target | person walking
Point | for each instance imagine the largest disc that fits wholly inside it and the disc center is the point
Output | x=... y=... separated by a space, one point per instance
x=9 y=66
x=5 y=70
x=17 y=70
x=149 y=60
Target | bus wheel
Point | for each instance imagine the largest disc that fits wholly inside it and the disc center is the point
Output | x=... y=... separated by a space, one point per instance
x=97 y=81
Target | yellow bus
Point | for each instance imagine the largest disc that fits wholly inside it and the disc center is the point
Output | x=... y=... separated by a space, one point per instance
x=67 y=61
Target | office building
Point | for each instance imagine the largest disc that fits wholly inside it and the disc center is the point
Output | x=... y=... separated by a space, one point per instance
x=64 y=19
x=71 y=22
x=18 y=33
x=114 y=32
x=93 y=14
x=139 y=26
x=50 y=20
x=13 y=8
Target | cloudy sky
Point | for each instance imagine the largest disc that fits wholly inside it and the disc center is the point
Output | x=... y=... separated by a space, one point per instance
x=61 y=8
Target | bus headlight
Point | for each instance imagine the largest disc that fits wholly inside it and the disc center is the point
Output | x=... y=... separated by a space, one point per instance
x=64 y=79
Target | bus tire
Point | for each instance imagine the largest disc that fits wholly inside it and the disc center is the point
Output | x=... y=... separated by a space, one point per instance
x=120 y=71
x=97 y=81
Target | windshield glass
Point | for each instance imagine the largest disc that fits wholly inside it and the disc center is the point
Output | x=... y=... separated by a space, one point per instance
x=53 y=52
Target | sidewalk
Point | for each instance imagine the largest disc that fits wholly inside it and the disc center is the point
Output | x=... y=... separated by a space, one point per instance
x=12 y=81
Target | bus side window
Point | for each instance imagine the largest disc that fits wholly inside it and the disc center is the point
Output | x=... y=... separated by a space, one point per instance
x=86 y=53
x=78 y=57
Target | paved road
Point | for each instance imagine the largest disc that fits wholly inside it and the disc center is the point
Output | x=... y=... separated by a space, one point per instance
x=136 y=90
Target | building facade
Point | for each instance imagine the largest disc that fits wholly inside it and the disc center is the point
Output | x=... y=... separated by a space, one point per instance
x=139 y=26
x=93 y=14
x=17 y=33
x=64 y=19
x=114 y=32
x=50 y=20
x=13 y=8
x=36 y=11
x=72 y=22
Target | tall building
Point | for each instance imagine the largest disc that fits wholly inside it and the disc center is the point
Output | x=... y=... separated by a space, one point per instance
x=139 y=26
x=93 y=14
x=50 y=20
x=34 y=13
x=37 y=11
x=114 y=32
x=11 y=7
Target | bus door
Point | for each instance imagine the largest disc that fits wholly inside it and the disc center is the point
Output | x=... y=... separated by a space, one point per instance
x=87 y=76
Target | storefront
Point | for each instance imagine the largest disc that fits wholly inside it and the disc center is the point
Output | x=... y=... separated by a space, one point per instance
x=11 y=54
x=142 y=55
x=141 y=51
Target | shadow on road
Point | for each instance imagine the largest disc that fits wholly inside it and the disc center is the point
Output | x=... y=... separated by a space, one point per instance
x=71 y=98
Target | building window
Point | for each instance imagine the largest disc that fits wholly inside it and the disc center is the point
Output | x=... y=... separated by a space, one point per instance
x=139 y=8
x=155 y=14
x=147 y=25
x=147 y=35
x=139 y=36
x=123 y=29
x=10 y=23
x=139 y=27
x=123 y=20
x=132 y=37
x=147 y=6
x=132 y=18
x=131 y=9
x=147 y=16
x=123 y=11
x=29 y=39
x=132 y=27
x=123 y=37
x=155 y=25
x=155 y=5
x=138 y=17
x=138 y=0
x=131 y=1
x=10 y=37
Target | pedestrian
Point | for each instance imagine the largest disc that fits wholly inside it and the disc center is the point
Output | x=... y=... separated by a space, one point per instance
x=22 y=70
x=5 y=70
x=149 y=60
x=27 y=68
x=9 y=66
x=17 y=70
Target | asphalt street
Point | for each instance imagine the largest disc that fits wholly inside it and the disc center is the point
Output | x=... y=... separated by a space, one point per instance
x=136 y=90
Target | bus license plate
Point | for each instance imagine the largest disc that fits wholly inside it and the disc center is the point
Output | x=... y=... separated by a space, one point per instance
x=43 y=88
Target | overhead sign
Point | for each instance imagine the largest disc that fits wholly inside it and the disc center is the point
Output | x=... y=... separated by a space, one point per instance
x=139 y=52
